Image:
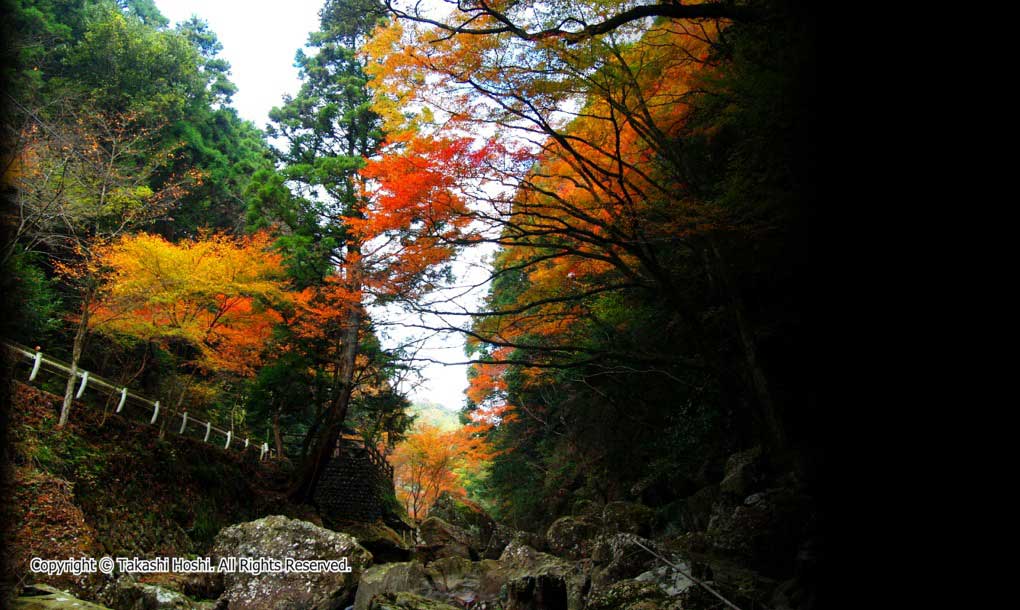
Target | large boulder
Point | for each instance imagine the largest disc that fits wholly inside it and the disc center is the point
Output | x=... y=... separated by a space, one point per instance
x=632 y=595
x=586 y=508
x=764 y=531
x=280 y=538
x=697 y=509
x=571 y=536
x=385 y=544
x=466 y=515
x=535 y=541
x=536 y=592
x=673 y=582
x=523 y=579
x=129 y=594
x=498 y=541
x=450 y=580
x=442 y=539
x=628 y=518
x=743 y=473
x=620 y=556
x=532 y=580
x=407 y=601
x=390 y=578
x=459 y=581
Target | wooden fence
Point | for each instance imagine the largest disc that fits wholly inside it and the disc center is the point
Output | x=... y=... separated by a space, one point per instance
x=132 y=405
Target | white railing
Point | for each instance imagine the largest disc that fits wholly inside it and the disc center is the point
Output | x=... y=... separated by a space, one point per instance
x=127 y=398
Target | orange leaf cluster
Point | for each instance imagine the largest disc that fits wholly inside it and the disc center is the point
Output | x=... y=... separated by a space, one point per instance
x=430 y=461
x=219 y=294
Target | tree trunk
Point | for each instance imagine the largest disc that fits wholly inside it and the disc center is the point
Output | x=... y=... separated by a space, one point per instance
x=76 y=350
x=759 y=381
x=277 y=439
x=332 y=425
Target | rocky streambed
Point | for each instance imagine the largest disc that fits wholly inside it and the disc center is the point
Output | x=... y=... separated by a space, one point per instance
x=600 y=558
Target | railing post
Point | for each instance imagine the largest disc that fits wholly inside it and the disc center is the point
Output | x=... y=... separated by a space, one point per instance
x=84 y=382
x=184 y=422
x=155 y=413
x=35 y=367
x=123 y=399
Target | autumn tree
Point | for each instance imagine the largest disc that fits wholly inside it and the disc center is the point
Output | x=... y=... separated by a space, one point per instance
x=354 y=229
x=618 y=303
x=80 y=184
x=430 y=461
x=93 y=159
x=212 y=301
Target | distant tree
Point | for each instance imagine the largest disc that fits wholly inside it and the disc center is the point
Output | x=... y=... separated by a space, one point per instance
x=429 y=462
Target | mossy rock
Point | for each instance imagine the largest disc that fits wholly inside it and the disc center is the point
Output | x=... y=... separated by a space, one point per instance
x=382 y=541
x=571 y=536
x=45 y=597
x=743 y=473
x=466 y=515
x=385 y=578
x=628 y=518
x=443 y=539
x=406 y=601
x=632 y=595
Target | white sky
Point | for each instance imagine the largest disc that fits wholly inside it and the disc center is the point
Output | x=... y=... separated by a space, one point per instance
x=260 y=39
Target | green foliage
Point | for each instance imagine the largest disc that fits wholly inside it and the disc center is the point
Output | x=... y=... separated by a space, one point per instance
x=36 y=304
x=327 y=130
x=123 y=64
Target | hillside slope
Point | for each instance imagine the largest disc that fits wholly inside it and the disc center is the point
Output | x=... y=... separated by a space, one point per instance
x=106 y=486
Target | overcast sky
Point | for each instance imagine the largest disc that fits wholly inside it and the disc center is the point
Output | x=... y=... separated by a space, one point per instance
x=260 y=38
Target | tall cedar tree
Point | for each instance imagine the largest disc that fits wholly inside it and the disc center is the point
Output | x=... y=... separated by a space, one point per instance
x=328 y=131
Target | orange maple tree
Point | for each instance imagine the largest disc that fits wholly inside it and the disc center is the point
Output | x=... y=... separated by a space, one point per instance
x=430 y=461
x=219 y=295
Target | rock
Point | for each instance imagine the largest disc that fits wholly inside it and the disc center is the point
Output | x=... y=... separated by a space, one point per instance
x=407 y=601
x=501 y=537
x=201 y=586
x=466 y=515
x=129 y=594
x=671 y=581
x=540 y=592
x=535 y=541
x=628 y=517
x=743 y=473
x=460 y=581
x=281 y=538
x=523 y=579
x=698 y=510
x=445 y=540
x=764 y=531
x=452 y=579
x=382 y=541
x=389 y=578
x=742 y=585
x=570 y=536
x=45 y=597
x=618 y=557
x=586 y=508
x=632 y=595
x=532 y=578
